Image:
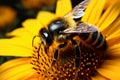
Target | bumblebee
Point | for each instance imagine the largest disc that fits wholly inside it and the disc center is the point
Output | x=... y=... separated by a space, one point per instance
x=60 y=31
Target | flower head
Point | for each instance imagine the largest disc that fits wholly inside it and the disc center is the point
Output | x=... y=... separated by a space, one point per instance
x=101 y=13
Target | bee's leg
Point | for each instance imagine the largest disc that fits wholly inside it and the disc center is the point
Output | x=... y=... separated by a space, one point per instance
x=56 y=54
x=34 y=39
x=39 y=45
x=77 y=57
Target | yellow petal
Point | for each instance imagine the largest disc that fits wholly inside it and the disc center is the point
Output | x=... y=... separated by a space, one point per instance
x=109 y=15
x=113 y=40
x=45 y=17
x=89 y=9
x=98 y=77
x=35 y=76
x=115 y=34
x=96 y=11
x=109 y=2
x=20 y=32
x=13 y=63
x=111 y=69
x=16 y=47
x=17 y=69
x=112 y=29
x=63 y=7
x=32 y=25
x=113 y=52
x=94 y=78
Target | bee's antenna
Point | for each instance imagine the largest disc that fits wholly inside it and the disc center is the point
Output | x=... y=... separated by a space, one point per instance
x=34 y=38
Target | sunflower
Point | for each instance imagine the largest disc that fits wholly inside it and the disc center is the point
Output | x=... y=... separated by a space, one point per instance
x=102 y=13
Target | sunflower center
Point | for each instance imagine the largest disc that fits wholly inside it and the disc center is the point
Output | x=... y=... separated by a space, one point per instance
x=65 y=69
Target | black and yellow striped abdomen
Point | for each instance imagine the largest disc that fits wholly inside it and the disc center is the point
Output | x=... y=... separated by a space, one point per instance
x=94 y=39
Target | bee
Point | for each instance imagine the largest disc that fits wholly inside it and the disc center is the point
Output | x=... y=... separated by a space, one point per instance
x=60 y=31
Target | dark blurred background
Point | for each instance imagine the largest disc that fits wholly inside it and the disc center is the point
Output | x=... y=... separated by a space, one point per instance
x=14 y=12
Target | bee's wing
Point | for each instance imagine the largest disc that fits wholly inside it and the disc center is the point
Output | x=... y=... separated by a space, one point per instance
x=78 y=10
x=81 y=28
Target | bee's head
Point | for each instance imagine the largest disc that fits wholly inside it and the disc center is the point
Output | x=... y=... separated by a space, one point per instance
x=46 y=37
x=53 y=31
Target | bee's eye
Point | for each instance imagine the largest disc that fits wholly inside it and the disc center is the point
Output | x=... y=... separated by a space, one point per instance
x=46 y=36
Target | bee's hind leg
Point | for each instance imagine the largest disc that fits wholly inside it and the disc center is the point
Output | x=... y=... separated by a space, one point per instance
x=77 y=57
